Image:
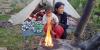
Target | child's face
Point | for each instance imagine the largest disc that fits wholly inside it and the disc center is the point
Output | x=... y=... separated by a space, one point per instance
x=48 y=13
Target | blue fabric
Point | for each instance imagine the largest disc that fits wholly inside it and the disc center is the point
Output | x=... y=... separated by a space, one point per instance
x=32 y=28
x=27 y=33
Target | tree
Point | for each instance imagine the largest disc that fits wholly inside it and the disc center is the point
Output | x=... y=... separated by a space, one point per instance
x=83 y=21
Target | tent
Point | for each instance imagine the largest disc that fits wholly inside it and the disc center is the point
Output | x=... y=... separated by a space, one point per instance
x=21 y=16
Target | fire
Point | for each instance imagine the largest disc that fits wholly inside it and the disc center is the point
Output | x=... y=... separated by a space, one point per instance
x=48 y=38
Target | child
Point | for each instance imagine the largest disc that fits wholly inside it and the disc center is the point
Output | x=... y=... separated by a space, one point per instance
x=51 y=15
x=52 y=19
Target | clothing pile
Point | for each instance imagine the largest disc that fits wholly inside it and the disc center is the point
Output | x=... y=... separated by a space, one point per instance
x=32 y=28
x=33 y=25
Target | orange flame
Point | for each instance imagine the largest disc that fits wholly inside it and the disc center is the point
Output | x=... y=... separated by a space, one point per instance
x=48 y=38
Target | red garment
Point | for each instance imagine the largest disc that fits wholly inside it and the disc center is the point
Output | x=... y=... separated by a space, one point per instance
x=57 y=29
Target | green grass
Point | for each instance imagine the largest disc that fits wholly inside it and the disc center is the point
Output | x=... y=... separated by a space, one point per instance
x=10 y=38
x=4 y=17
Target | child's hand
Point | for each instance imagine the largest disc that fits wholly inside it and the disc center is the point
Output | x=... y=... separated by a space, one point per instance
x=53 y=21
x=53 y=33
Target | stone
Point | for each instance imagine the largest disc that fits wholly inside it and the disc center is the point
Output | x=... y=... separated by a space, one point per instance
x=5 y=24
x=3 y=48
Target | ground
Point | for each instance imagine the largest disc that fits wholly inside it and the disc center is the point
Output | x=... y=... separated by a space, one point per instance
x=10 y=37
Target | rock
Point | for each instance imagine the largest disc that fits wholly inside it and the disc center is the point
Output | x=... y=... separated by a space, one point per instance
x=92 y=43
x=3 y=48
x=5 y=24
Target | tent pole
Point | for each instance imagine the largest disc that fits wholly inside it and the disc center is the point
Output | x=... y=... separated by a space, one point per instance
x=53 y=4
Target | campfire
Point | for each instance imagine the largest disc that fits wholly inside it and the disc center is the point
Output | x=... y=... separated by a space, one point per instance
x=48 y=38
x=49 y=43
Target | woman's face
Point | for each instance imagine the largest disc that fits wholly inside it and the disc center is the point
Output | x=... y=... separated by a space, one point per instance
x=60 y=10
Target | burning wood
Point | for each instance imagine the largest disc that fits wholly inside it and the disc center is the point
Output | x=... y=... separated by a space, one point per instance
x=48 y=38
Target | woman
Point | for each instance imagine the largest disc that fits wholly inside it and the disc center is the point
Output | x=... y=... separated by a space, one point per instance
x=62 y=16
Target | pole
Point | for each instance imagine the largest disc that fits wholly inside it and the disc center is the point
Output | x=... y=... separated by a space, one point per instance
x=53 y=4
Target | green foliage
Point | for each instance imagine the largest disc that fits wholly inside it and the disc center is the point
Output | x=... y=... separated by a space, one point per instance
x=96 y=13
x=4 y=17
x=93 y=25
x=78 y=5
x=16 y=10
x=10 y=38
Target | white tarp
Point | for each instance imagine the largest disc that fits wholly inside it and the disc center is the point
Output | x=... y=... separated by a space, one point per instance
x=20 y=17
